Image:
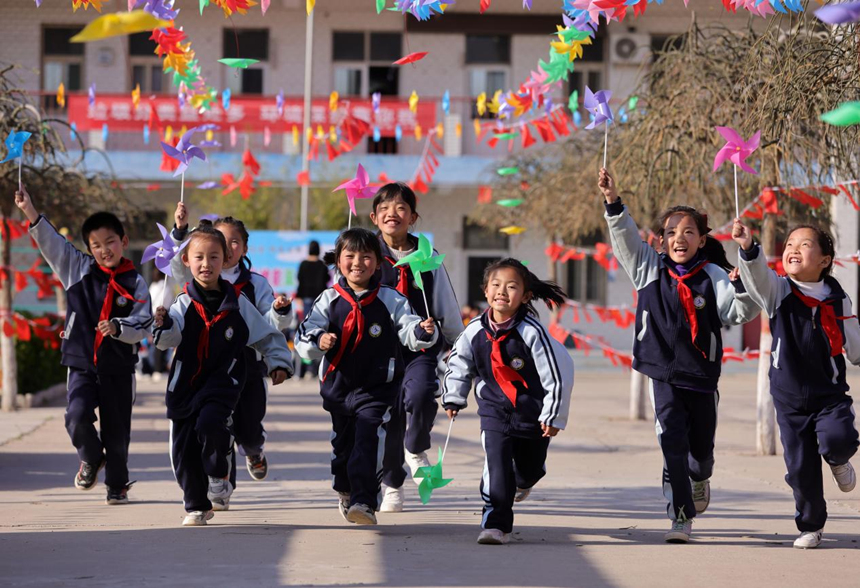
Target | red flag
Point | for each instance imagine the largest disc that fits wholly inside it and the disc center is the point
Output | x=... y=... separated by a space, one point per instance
x=303 y=178
x=485 y=194
x=485 y=4
x=768 y=197
x=20 y=281
x=250 y=163
x=411 y=58
x=528 y=139
x=554 y=251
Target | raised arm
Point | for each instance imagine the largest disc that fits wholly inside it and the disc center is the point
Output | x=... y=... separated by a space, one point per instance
x=765 y=287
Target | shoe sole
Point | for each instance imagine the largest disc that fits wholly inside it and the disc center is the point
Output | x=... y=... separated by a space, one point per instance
x=806 y=546
x=220 y=507
x=677 y=539
x=845 y=488
x=196 y=523
x=391 y=508
x=110 y=502
x=491 y=541
x=360 y=518
x=521 y=498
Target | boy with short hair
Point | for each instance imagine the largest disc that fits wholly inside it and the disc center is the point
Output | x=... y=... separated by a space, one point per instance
x=108 y=314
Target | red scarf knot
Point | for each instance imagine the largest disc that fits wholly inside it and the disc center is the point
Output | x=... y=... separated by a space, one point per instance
x=828 y=320
x=354 y=323
x=203 y=341
x=107 y=305
x=403 y=279
x=686 y=297
x=504 y=375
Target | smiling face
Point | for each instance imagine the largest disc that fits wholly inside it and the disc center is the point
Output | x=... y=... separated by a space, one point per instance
x=205 y=257
x=681 y=239
x=235 y=244
x=393 y=217
x=803 y=258
x=107 y=247
x=357 y=267
x=505 y=293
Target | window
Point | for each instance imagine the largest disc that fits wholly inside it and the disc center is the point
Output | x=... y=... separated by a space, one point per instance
x=477 y=237
x=488 y=49
x=347 y=47
x=146 y=66
x=386 y=47
x=246 y=44
x=62 y=62
x=584 y=76
x=491 y=56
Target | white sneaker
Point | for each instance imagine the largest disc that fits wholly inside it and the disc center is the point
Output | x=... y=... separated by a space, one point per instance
x=220 y=504
x=343 y=504
x=844 y=476
x=197 y=518
x=701 y=495
x=219 y=493
x=361 y=514
x=808 y=540
x=522 y=494
x=493 y=537
x=680 y=531
x=392 y=499
x=415 y=461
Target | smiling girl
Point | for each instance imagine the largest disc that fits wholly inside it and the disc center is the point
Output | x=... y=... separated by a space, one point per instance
x=811 y=321
x=685 y=298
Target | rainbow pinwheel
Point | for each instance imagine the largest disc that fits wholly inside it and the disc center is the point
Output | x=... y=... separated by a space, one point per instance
x=736 y=150
x=163 y=251
x=431 y=478
x=420 y=9
x=358 y=187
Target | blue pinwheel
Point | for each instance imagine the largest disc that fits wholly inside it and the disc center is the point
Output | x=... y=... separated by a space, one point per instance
x=15 y=146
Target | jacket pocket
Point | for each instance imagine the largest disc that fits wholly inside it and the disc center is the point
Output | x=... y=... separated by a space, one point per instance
x=775 y=354
x=176 y=371
x=641 y=334
x=392 y=364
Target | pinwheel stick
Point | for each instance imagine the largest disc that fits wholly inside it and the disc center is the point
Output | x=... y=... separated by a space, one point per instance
x=605 y=141
x=349 y=222
x=182 y=189
x=447 y=437
x=737 y=204
x=20 y=185
x=167 y=295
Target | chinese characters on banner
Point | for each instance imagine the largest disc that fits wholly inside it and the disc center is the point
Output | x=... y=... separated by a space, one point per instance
x=246 y=114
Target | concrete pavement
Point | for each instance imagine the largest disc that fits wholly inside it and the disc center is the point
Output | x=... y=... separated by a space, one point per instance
x=596 y=520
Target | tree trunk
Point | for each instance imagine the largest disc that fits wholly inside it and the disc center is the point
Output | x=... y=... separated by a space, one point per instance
x=7 y=344
x=765 y=416
x=638 y=394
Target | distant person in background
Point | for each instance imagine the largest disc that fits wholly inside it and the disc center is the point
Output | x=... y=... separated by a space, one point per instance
x=313 y=279
x=157 y=357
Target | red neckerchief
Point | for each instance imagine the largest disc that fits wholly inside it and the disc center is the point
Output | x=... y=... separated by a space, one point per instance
x=354 y=322
x=403 y=280
x=238 y=287
x=203 y=341
x=828 y=320
x=686 y=296
x=107 y=305
x=504 y=374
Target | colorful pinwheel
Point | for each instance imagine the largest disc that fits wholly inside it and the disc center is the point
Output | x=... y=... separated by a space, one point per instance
x=736 y=150
x=422 y=260
x=358 y=187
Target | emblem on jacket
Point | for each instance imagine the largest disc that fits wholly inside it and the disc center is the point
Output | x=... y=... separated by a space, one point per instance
x=375 y=330
x=518 y=363
x=699 y=302
x=228 y=334
x=121 y=301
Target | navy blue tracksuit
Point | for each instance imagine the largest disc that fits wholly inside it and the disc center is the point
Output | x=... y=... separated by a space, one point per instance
x=684 y=369
x=523 y=378
x=210 y=331
x=360 y=376
x=414 y=412
x=807 y=380
x=101 y=369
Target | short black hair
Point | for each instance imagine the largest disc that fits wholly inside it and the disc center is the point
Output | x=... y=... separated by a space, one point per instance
x=205 y=230
x=357 y=239
x=101 y=220
x=313 y=248
x=392 y=191
x=239 y=226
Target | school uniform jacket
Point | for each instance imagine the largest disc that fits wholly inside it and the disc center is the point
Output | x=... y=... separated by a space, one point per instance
x=89 y=295
x=371 y=355
x=209 y=364
x=444 y=307
x=253 y=285
x=542 y=376
x=806 y=368
x=663 y=348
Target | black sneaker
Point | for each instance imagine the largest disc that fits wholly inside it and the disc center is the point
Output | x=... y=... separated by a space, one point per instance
x=119 y=495
x=258 y=466
x=88 y=475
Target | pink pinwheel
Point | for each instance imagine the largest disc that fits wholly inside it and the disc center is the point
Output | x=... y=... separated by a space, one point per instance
x=162 y=251
x=184 y=151
x=736 y=149
x=358 y=187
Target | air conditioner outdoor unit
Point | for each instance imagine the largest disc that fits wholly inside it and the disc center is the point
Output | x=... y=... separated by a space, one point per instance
x=629 y=48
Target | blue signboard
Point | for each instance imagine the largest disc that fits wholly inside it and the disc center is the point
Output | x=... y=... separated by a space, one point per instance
x=277 y=254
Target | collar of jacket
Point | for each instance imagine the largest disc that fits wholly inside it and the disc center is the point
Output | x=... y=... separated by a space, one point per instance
x=373 y=285
x=836 y=291
x=230 y=302
x=386 y=250
x=683 y=270
x=125 y=266
x=518 y=318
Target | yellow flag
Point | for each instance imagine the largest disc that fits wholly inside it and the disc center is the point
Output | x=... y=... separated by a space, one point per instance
x=120 y=23
x=168 y=134
x=310 y=6
x=512 y=230
x=332 y=101
x=418 y=132
x=61 y=95
x=413 y=102
x=135 y=96
x=459 y=129
x=481 y=103
x=477 y=124
x=210 y=135
x=295 y=136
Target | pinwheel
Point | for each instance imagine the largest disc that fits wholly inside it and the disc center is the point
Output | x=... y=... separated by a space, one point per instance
x=413 y=102
x=162 y=9
x=446 y=102
x=843 y=13
x=420 y=9
x=163 y=252
x=358 y=187
x=431 y=476
x=736 y=150
x=845 y=115
x=15 y=145
x=279 y=102
x=375 y=101
x=422 y=260
x=597 y=103
x=184 y=152
x=570 y=42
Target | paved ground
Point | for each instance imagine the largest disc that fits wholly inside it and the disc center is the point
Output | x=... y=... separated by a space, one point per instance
x=596 y=520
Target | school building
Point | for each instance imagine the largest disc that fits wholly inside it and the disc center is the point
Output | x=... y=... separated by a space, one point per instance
x=353 y=51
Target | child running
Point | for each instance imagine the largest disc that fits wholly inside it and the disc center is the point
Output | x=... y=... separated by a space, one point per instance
x=524 y=380
x=251 y=408
x=210 y=324
x=394 y=213
x=685 y=298
x=811 y=321
x=108 y=314
x=359 y=326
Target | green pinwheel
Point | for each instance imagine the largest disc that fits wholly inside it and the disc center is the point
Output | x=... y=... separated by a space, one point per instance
x=238 y=63
x=432 y=479
x=422 y=260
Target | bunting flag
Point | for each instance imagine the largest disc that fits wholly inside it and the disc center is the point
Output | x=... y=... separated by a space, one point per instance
x=428 y=164
x=601 y=253
x=548 y=126
x=46 y=328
